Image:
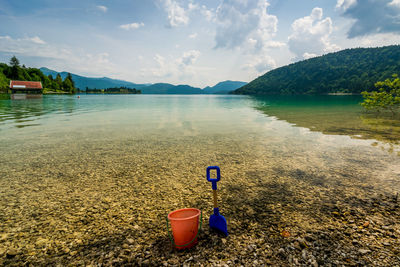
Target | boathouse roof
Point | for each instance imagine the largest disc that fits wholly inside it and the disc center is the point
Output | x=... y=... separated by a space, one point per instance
x=25 y=85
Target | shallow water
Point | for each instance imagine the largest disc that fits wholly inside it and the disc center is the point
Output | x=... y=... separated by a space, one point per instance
x=75 y=171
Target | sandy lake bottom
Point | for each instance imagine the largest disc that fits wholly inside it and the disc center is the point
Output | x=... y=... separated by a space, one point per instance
x=92 y=182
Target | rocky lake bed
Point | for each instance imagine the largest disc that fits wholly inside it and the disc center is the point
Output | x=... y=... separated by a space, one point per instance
x=281 y=210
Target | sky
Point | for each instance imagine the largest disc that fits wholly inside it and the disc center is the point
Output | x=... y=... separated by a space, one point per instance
x=193 y=42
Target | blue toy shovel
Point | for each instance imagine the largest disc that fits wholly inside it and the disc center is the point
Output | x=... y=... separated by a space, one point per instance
x=217 y=221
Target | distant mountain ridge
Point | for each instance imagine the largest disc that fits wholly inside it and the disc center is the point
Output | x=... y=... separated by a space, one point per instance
x=347 y=71
x=82 y=82
x=224 y=87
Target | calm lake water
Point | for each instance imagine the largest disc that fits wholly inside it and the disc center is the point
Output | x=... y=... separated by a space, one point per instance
x=61 y=156
x=115 y=117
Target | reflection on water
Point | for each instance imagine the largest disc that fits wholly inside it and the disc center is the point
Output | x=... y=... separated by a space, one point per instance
x=28 y=110
x=337 y=115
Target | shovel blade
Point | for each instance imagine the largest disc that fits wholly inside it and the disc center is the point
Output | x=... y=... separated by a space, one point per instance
x=218 y=222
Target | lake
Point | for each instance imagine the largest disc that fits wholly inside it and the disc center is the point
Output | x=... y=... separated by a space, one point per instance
x=91 y=179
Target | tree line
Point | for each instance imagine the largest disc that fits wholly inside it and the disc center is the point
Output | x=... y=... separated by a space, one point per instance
x=113 y=90
x=14 y=71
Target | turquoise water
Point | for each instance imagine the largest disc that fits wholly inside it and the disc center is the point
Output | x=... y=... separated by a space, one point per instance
x=76 y=170
x=190 y=115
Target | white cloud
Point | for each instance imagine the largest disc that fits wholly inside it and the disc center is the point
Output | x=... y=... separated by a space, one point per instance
x=260 y=64
x=208 y=14
x=131 y=26
x=177 y=15
x=274 y=44
x=192 y=6
x=179 y=68
x=380 y=39
x=37 y=40
x=102 y=8
x=60 y=58
x=193 y=36
x=309 y=55
x=343 y=5
x=311 y=35
x=240 y=21
x=189 y=57
x=395 y=4
x=22 y=45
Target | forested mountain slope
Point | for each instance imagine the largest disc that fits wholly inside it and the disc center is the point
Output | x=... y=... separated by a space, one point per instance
x=347 y=71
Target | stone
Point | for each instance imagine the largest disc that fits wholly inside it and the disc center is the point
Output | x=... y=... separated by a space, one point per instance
x=304 y=254
x=41 y=242
x=364 y=251
x=12 y=252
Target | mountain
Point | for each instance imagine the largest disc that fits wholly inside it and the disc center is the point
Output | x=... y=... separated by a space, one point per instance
x=223 y=87
x=347 y=71
x=82 y=82
x=166 y=88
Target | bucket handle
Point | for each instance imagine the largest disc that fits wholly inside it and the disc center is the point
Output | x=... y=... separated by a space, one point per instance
x=172 y=239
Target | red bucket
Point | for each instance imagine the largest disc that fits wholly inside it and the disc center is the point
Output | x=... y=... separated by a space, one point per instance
x=185 y=227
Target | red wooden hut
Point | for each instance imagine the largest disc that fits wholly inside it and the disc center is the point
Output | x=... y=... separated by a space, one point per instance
x=25 y=89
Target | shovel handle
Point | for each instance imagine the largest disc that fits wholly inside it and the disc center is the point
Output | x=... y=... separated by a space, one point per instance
x=213 y=181
x=215 y=198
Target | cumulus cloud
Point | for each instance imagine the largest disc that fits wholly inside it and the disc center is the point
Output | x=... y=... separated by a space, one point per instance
x=372 y=16
x=37 y=40
x=178 y=68
x=260 y=64
x=309 y=55
x=310 y=35
x=22 y=45
x=177 y=15
x=240 y=22
x=102 y=8
x=131 y=26
x=208 y=14
x=189 y=57
x=395 y=4
x=61 y=58
x=345 y=4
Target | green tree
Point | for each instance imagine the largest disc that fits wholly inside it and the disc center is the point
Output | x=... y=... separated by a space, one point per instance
x=58 y=82
x=69 y=77
x=15 y=69
x=387 y=97
x=68 y=84
x=14 y=62
x=4 y=83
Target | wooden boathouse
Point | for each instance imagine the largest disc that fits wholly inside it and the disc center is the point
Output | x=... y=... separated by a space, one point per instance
x=25 y=89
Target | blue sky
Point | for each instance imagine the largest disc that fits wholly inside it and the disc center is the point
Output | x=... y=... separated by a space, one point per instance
x=188 y=41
